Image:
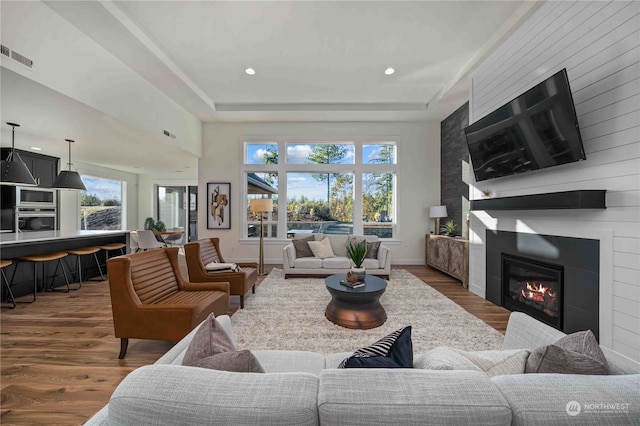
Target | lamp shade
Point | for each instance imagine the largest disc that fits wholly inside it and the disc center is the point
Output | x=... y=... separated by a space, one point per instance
x=261 y=205
x=13 y=171
x=438 y=211
x=68 y=179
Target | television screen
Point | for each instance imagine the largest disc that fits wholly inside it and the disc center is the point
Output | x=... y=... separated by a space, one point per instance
x=538 y=129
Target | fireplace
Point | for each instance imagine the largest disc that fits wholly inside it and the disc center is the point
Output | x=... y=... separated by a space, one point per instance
x=563 y=274
x=533 y=287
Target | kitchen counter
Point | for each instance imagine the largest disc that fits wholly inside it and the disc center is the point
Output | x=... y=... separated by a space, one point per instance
x=40 y=236
x=15 y=245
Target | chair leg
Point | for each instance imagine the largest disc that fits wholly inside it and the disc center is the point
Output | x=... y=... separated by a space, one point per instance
x=78 y=273
x=66 y=279
x=95 y=256
x=10 y=293
x=241 y=302
x=253 y=289
x=124 y=342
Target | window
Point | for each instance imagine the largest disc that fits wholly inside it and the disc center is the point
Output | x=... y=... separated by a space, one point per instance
x=101 y=204
x=337 y=187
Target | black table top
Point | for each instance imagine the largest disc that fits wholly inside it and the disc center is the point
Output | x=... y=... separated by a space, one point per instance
x=372 y=283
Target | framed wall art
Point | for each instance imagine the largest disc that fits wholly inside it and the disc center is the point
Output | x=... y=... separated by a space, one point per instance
x=219 y=201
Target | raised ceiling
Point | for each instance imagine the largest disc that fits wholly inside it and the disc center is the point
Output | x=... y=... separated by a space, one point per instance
x=314 y=60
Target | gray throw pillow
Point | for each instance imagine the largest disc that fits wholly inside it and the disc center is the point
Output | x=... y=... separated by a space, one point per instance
x=302 y=246
x=577 y=353
x=239 y=361
x=212 y=348
x=372 y=247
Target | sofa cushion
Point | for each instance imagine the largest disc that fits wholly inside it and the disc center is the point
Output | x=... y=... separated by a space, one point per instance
x=240 y=361
x=321 y=249
x=371 y=264
x=571 y=399
x=302 y=246
x=308 y=263
x=392 y=351
x=493 y=363
x=336 y=263
x=577 y=353
x=210 y=339
x=286 y=361
x=349 y=397
x=179 y=395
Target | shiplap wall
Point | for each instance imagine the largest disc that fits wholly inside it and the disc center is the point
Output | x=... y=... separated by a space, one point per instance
x=599 y=45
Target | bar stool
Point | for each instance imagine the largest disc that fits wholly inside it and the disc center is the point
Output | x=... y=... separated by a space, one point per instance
x=84 y=251
x=43 y=259
x=4 y=264
x=111 y=247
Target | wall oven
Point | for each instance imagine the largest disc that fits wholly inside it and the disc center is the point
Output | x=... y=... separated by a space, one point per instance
x=29 y=219
x=25 y=209
x=35 y=197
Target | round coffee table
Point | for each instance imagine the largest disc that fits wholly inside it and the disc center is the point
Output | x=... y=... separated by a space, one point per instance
x=356 y=308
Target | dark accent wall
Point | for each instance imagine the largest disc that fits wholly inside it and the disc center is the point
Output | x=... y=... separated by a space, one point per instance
x=453 y=151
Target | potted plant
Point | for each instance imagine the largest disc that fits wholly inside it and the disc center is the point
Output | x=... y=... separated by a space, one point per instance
x=357 y=252
x=151 y=225
x=449 y=228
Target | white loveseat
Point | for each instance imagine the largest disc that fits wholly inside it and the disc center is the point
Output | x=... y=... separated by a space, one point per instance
x=339 y=264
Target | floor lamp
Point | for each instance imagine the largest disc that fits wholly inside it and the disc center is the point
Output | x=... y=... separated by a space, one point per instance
x=437 y=212
x=261 y=206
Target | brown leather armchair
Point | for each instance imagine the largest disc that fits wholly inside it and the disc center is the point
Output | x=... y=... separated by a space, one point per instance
x=202 y=252
x=151 y=300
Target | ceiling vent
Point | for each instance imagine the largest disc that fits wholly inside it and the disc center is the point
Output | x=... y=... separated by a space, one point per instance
x=21 y=59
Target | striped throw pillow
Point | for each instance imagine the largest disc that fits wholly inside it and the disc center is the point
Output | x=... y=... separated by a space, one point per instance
x=392 y=351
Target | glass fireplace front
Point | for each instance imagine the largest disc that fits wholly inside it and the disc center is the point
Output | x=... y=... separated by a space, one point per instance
x=534 y=288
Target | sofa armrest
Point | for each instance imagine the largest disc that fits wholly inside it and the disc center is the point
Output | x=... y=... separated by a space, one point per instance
x=525 y=332
x=175 y=394
x=208 y=286
x=289 y=255
x=384 y=257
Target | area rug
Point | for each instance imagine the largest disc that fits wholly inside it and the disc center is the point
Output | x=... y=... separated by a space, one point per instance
x=289 y=314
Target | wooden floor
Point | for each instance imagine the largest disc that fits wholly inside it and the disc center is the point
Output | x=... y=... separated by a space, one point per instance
x=59 y=358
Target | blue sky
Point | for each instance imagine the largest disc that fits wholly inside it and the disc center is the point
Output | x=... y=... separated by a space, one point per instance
x=299 y=184
x=103 y=188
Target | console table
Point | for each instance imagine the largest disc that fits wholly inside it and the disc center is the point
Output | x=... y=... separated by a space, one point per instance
x=449 y=255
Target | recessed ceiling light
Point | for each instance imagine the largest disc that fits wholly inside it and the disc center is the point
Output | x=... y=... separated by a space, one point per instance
x=389 y=71
x=250 y=71
x=35 y=148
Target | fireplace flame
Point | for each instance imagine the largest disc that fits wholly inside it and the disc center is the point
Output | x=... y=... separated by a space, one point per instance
x=536 y=292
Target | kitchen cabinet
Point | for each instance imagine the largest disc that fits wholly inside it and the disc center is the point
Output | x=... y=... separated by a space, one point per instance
x=449 y=255
x=44 y=168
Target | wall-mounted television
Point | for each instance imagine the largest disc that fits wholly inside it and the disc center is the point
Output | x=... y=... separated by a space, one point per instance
x=538 y=129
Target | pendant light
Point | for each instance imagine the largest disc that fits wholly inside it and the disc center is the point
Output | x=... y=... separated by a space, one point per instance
x=69 y=179
x=13 y=171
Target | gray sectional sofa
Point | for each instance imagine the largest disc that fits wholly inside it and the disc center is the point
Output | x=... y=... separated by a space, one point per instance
x=305 y=388
x=340 y=264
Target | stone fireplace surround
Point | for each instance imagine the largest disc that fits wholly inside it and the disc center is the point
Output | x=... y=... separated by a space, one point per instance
x=580 y=258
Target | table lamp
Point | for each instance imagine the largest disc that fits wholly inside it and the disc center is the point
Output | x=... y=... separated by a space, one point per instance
x=437 y=212
x=261 y=206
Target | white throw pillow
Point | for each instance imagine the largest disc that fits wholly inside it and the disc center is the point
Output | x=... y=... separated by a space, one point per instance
x=321 y=249
x=493 y=363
